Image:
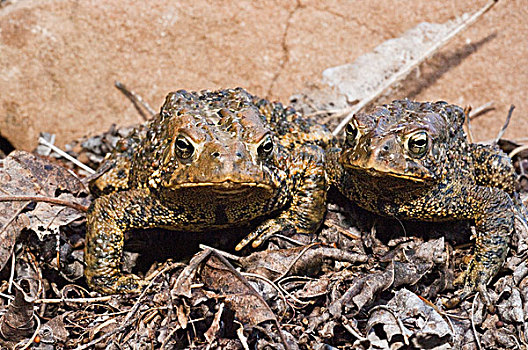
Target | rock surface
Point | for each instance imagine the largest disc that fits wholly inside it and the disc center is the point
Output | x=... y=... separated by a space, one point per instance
x=59 y=59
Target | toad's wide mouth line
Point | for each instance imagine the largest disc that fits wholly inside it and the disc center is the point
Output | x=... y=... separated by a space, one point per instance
x=225 y=186
x=379 y=173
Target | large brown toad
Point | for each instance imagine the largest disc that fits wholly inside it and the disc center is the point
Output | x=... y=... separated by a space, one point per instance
x=412 y=160
x=208 y=160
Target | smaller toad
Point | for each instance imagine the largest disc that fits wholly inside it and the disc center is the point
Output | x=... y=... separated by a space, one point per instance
x=412 y=161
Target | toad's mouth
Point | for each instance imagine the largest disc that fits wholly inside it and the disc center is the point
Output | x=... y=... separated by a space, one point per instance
x=417 y=178
x=226 y=187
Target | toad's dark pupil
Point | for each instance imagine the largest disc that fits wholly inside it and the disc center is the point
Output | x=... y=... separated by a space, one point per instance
x=183 y=145
x=420 y=143
x=351 y=133
x=266 y=147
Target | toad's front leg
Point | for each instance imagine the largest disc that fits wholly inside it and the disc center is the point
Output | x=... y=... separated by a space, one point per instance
x=494 y=220
x=307 y=208
x=108 y=218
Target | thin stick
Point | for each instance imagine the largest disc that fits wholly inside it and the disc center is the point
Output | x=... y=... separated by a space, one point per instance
x=488 y=106
x=400 y=75
x=348 y=327
x=136 y=100
x=73 y=300
x=51 y=200
x=63 y=154
x=517 y=151
x=505 y=126
x=475 y=334
x=295 y=260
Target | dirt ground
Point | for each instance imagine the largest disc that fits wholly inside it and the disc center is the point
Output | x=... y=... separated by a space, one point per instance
x=59 y=59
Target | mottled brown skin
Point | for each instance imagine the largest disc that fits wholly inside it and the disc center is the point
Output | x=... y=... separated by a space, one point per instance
x=209 y=160
x=412 y=161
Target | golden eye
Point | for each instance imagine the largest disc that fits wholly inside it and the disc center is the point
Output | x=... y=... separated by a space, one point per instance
x=183 y=147
x=351 y=132
x=266 y=147
x=418 y=144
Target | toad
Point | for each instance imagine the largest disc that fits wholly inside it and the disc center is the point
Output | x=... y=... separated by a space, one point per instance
x=209 y=160
x=412 y=161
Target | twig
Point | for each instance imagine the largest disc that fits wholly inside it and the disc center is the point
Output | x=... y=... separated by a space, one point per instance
x=473 y=321
x=477 y=112
x=282 y=292
x=348 y=327
x=221 y=252
x=467 y=112
x=73 y=300
x=12 y=273
x=342 y=230
x=13 y=217
x=336 y=113
x=295 y=260
x=51 y=200
x=63 y=154
x=241 y=336
x=505 y=126
x=400 y=75
x=517 y=151
x=136 y=100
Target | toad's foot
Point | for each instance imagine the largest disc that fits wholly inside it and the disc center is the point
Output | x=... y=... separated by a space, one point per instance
x=474 y=280
x=119 y=284
x=265 y=231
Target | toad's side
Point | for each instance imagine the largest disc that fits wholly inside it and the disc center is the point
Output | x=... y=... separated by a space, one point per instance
x=208 y=160
x=412 y=160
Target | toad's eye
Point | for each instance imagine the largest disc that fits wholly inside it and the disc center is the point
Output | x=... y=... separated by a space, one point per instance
x=183 y=147
x=266 y=147
x=417 y=144
x=351 y=132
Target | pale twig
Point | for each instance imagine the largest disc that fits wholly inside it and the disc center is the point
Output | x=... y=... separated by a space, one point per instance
x=136 y=100
x=240 y=334
x=475 y=334
x=10 y=297
x=505 y=126
x=401 y=74
x=63 y=154
x=12 y=273
x=73 y=300
x=13 y=217
x=488 y=106
x=467 y=112
x=221 y=252
x=51 y=200
x=517 y=151
x=334 y=112
x=348 y=327
x=282 y=292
